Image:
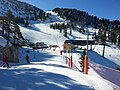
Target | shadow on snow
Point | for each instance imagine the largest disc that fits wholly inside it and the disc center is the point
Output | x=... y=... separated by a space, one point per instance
x=36 y=79
x=95 y=57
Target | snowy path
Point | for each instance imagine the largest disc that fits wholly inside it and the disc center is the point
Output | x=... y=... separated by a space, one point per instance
x=46 y=72
x=28 y=77
x=109 y=75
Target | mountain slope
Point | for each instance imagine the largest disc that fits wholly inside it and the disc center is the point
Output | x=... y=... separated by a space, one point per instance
x=18 y=8
x=40 y=32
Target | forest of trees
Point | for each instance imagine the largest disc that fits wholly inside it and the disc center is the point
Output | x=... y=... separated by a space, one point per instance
x=25 y=20
x=108 y=30
x=10 y=29
x=62 y=27
x=9 y=24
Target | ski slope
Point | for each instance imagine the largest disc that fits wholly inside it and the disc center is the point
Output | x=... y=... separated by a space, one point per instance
x=46 y=72
x=50 y=36
x=49 y=71
x=42 y=33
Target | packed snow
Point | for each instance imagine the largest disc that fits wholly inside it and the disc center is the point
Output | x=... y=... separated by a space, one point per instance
x=46 y=72
x=2 y=41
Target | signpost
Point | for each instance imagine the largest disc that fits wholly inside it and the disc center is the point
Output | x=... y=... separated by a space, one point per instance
x=69 y=47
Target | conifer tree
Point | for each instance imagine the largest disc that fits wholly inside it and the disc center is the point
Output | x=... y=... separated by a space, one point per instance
x=35 y=15
x=26 y=22
x=113 y=37
x=10 y=16
x=119 y=40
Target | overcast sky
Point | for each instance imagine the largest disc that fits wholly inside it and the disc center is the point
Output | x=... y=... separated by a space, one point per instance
x=109 y=9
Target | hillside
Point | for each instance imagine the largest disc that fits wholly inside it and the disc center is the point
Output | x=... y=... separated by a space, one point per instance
x=18 y=8
x=41 y=32
x=13 y=12
x=82 y=19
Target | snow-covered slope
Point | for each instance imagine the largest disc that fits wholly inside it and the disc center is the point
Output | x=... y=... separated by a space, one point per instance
x=18 y=8
x=53 y=17
x=47 y=72
x=41 y=32
x=2 y=41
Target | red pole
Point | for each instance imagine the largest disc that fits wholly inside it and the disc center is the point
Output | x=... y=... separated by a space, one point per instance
x=71 y=61
x=61 y=52
x=66 y=60
x=86 y=64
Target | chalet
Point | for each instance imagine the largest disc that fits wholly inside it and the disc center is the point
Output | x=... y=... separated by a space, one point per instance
x=80 y=42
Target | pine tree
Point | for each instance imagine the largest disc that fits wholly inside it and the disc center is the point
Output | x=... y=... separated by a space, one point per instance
x=27 y=23
x=119 y=40
x=113 y=37
x=10 y=16
x=35 y=15
x=65 y=32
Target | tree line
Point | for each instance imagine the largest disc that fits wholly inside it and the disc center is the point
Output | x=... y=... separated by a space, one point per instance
x=108 y=30
x=10 y=29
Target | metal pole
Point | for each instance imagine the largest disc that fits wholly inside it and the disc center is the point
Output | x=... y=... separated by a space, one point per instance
x=87 y=40
x=86 y=56
x=103 y=50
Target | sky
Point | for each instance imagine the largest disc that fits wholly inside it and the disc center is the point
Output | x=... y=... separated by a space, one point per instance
x=102 y=8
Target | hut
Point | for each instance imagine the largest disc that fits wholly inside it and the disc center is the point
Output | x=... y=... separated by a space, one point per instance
x=11 y=52
x=68 y=46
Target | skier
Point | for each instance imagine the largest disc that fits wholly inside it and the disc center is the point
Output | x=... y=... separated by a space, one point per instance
x=5 y=61
x=27 y=59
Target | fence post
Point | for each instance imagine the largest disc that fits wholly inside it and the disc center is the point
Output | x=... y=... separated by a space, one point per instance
x=71 y=61
x=61 y=52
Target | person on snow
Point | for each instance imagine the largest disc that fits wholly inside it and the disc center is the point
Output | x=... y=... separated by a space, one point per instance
x=27 y=59
x=5 y=61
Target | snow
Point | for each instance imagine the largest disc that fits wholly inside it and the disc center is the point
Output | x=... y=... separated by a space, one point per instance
x=2 y=41
x=107 y=73
x=46 y=72
x=54 y=17
x=49 y=71
x=99 y=67
x=43 y=34
x=18 y=8
x=112 y=56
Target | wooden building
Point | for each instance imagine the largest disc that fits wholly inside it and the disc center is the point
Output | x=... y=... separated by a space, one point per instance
x=11 y=52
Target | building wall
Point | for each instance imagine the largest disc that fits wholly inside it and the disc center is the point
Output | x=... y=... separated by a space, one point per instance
x=11 y=52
